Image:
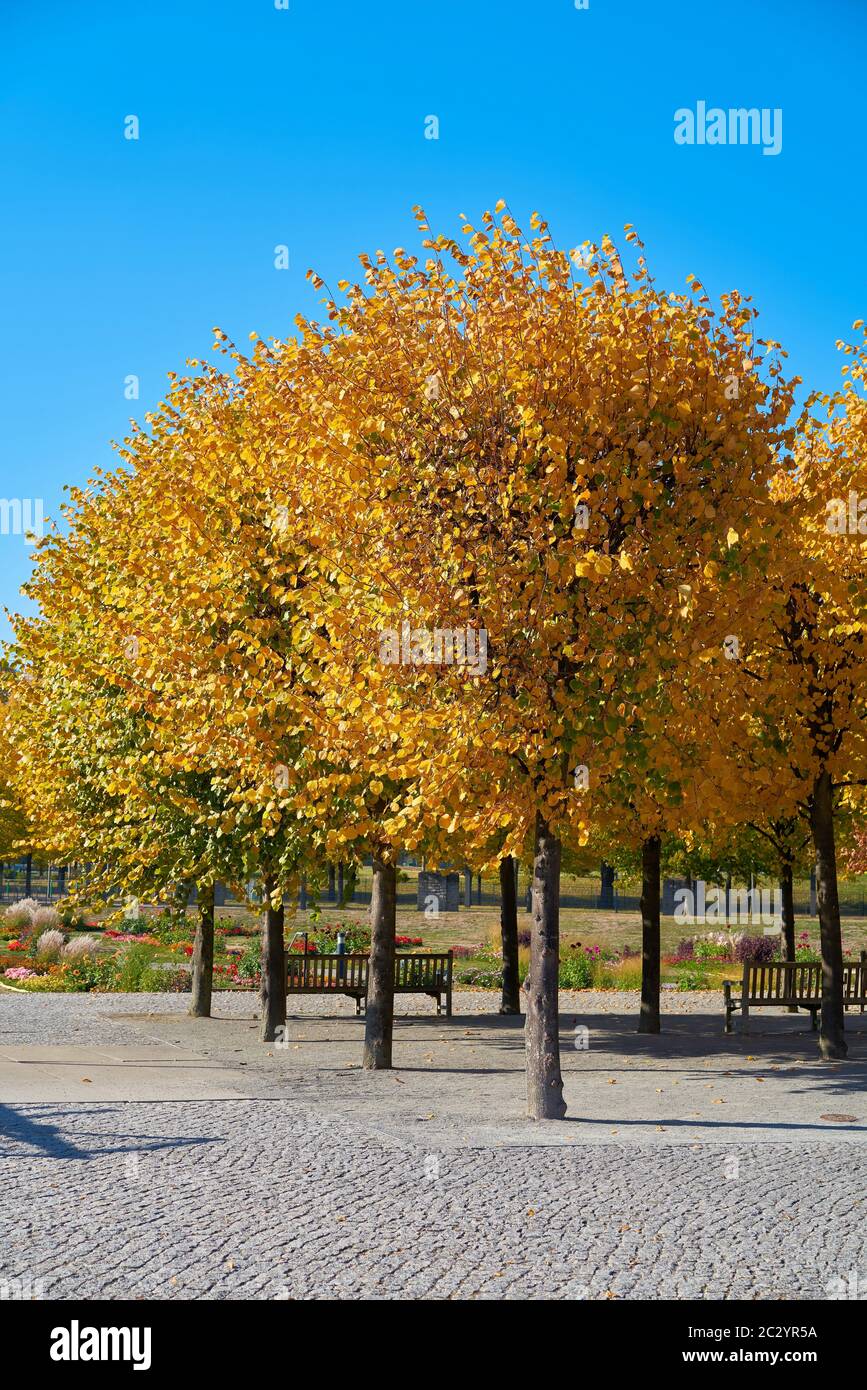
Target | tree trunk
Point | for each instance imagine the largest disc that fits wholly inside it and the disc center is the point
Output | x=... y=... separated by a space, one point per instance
x=648 y=1021
x=348 y=882
x=606 y=887
x=379 y=1017
x=787 y=936
x=510 y=1002
x=28 y=876
x=272 y=988
x=203 y=953
x=728 y=893
x=331 y=893
x=832 y=1044
x=340 y=899
x=542 y=1027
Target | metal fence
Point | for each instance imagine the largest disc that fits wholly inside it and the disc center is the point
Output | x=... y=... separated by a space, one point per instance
x=49 y=883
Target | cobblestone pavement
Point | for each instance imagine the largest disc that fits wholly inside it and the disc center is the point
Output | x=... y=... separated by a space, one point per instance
x=297 y=1194
x=258 y=1199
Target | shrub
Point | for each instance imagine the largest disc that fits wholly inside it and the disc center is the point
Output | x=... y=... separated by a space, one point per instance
x=763 y=949
x=172 y=925
x=154 y=981
x=692 y=977
x=86 y=973
x=50 y=944
x=81 y=946
x=357 y=939
x=524 y=937
x=576 y=971
x=18 y=972
x=45 y=919
x=132 y=964
x=19 y=916
x=685 y=949
x=54 y=981
x=481 y=977
x=710 y=950
x=250 y=963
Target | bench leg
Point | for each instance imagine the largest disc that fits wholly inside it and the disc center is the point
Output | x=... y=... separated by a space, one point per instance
x=814 y=1020
x=745 y=1018
x=728 y=1027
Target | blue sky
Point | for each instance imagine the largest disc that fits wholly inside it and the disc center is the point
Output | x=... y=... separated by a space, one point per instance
x=306 y=127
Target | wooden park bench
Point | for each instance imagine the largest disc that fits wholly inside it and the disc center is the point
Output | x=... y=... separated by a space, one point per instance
x=332 y=974
x=779 y=984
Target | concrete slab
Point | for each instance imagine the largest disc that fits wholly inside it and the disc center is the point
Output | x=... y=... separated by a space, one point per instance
x=130 y=1074
x=461 y=1081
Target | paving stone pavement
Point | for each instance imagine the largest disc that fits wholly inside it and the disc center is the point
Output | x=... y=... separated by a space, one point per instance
x=260 y=1199
x=295 y=1195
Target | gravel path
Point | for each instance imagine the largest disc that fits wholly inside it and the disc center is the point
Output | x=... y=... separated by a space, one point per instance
x=48 y=1019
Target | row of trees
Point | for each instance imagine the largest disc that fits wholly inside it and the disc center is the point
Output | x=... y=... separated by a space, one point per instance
x=239 y=668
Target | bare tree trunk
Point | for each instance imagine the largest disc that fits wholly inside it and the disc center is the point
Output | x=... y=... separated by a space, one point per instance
x=787 y=893
x=379 y=1017
x=832 y=1043
x=542 y=1028
x=648 y=1020
x=331 y=892
x=728 y=893
x=510 y=1002
x=203 y=953
x=348 y=879
x=272 y=988
x=606 y=887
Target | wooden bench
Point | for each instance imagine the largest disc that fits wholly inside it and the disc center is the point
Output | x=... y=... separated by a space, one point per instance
x=779 y=984
x=332 y=974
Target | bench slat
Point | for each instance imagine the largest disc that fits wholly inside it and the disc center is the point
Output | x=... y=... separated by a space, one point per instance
x=326 y=974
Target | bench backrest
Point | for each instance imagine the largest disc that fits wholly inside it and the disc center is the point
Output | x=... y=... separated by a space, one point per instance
x=349 y=972
x=324 y=972
x=855 y=980
x=798 y=980
x=766 y=982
